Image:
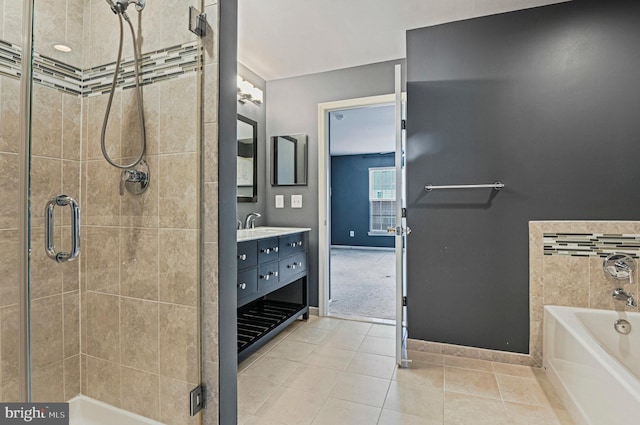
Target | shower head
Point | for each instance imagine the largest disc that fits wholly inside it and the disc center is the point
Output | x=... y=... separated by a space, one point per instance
x=120 y=6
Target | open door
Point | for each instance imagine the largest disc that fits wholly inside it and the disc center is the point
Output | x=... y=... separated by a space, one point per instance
x=401 y=229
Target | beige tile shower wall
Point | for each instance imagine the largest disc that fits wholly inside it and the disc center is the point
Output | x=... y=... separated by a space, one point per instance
x=140 y=268
x=163 y=24
x=570 y=281
x=58 y=22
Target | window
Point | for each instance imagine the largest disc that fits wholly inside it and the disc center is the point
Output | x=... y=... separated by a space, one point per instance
x=382 y=200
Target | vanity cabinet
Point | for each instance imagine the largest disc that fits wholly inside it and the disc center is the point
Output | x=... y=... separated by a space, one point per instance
x=269 y=267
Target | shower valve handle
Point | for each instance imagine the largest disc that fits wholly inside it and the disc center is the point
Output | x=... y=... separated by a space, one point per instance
x=135 y=176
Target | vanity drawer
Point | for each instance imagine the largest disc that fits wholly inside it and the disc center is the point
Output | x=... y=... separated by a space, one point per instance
x=268 y=250
x=268 y=274
x=292 y=244
x=247 y=254
x=293 y=266
x=247 y=283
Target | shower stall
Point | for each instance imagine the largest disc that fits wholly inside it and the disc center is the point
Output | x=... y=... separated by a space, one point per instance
x=100 y=287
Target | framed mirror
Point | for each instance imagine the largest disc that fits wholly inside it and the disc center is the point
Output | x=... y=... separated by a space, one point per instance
x=247 y=160
x=289 y=160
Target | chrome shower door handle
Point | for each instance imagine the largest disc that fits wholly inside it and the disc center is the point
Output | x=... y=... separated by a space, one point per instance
x=49 y=233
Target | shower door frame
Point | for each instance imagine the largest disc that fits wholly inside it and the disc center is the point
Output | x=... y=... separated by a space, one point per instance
x=24 y=158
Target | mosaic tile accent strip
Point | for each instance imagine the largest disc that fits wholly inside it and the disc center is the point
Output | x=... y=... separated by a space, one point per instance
x=591 y=244
x=173 y=62
x=9 y=60
x=57 y=75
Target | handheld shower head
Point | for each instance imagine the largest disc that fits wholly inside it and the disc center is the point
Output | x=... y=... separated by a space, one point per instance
x=113 y=7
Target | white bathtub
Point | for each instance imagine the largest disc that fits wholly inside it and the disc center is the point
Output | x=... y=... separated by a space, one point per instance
x=87 y=411
x=595 y=369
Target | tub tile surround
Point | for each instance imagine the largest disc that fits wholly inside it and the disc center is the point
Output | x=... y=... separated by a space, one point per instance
x=123 y=315
x=559 y=275
x=313 y=388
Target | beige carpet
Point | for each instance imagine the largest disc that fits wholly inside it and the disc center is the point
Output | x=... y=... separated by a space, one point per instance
x=363 y=283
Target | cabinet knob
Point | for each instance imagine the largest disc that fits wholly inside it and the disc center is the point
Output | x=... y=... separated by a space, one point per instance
x=242 y=257
x=299 y=243
x=292 y=266
x=265 y=276
x=266 y=250
x=242 y=286
x=274 y=273
x=276 y=249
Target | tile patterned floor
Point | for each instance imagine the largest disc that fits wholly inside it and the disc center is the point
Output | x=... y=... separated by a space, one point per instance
x=335 y=372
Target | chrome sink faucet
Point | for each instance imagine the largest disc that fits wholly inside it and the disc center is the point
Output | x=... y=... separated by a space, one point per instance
x=250 y=220
x=619 y=294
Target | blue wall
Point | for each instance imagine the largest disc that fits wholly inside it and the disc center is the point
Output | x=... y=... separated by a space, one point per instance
x=545 y=100
x=350 y=199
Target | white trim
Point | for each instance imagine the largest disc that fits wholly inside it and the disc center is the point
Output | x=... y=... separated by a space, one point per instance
x=323 y=185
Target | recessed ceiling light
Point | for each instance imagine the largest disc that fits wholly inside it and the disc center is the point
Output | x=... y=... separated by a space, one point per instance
x=62 y=48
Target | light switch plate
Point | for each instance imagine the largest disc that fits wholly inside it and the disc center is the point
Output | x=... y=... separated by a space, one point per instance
x=296 y=201
x=279 y=201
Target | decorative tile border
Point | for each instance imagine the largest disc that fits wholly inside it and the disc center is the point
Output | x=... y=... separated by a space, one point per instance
x=9 y=60
x=57 y=75
x=172 y=62
x=590 y=244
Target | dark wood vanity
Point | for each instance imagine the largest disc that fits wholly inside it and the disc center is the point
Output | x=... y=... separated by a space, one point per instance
x=272 y=284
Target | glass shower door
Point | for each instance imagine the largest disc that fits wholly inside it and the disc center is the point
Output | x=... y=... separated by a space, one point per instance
x=120 y=323
x=10 y=48
x=55 y=170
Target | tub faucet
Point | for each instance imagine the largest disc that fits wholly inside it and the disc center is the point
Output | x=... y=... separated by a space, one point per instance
x=250 y=221
x=619 y=294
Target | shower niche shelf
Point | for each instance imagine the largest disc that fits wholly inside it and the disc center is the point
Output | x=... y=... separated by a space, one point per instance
x=272 y=286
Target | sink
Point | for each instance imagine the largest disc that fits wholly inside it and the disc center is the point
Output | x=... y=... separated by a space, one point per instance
x=267 y=231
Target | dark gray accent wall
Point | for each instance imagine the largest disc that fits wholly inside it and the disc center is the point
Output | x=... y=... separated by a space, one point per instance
x=292 y=108
x=350 y=199
x=257 y=113
x=227 y=211
x=545 y=100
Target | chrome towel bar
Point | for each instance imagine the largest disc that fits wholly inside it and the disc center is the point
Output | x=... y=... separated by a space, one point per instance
x=494 y=186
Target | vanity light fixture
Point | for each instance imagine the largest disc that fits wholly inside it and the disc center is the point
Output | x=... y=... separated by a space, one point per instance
x=247 y=91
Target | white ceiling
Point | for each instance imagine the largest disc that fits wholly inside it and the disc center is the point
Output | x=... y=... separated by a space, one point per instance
x=362 y=130
x=286 y=38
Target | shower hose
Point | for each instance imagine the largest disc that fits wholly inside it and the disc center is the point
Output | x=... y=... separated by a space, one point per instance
x=143 y=136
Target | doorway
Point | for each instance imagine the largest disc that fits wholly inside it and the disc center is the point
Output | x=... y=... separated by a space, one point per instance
x=362 y=210
x=327 y=111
